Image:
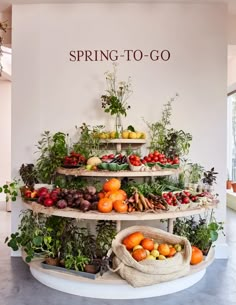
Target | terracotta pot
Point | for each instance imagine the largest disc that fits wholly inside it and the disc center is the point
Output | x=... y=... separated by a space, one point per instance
x=90 y=268
x=228 y=184
x=52 y=261
x=234 y=186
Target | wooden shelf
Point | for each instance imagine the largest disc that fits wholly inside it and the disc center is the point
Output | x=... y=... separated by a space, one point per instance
x=95 y=215
x=78 y=172
x=121 y=144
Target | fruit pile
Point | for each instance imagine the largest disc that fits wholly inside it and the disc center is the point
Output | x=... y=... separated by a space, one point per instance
x=156 y=157
x=135 y=160
x=126 y=134
x=74 y=159
x=141 y=247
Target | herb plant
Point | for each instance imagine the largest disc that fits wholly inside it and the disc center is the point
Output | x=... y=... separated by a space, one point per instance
x=28 y=174
x=117 y=93
x=89 y=142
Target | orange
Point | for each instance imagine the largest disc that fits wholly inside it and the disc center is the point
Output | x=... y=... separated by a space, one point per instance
x=172 y=252
x=164 y=249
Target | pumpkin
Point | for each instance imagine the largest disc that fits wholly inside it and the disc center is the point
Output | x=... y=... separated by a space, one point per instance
x=114 y=195
x=132 y=240
x=123 y=193
x=147 y=243
x=120 y=206
x=139 y=254
x=105 y=205
x=94 y=161
x=164 y=249
x=197 y=256
x=112 y=184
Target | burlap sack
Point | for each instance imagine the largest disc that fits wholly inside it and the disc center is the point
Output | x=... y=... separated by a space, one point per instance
x=149 y=272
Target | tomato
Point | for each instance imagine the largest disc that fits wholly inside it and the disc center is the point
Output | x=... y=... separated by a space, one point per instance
x=156 y=153
x=155 y=159
x=150 y=155
x=149 y=159
x=145 y=158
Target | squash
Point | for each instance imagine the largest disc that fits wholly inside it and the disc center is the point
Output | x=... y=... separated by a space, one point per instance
x=132 y=240
x=94 y=161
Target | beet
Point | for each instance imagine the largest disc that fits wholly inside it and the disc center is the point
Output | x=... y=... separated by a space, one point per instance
x=94 y=205
x=85 y=205
x=91 y=189
x=61 y=204
x=95 y=197
x=87 y=196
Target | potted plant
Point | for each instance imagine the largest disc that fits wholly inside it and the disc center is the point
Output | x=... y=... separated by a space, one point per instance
x=209 y=178
x=195 y=171
x=114 y=101
x=11 y=190
x=228 y=183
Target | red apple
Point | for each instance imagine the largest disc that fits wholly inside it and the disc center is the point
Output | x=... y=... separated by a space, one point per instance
x=48 y=202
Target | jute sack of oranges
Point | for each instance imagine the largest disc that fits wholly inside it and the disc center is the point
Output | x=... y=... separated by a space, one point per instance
x=144 y=272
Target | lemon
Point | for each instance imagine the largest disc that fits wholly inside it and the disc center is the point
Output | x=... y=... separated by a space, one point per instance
x=155 y=253
x=132 y=135
x=161 y=257
x=137 y=247
x=156 y=245
x=151 y=257
x=125 y=134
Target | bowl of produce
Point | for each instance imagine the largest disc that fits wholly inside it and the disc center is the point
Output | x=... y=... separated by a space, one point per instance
x=117 y=167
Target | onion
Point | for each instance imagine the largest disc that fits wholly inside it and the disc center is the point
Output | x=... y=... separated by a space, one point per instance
x=61 y=204
x=85 y=205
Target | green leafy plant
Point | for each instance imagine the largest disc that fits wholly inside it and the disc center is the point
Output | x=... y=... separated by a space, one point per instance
x=89 y=141
x=38 y=235
x=52 y=149
x=195 y=171
x=117 y=93
x=106 y=232
x=167 y=140
x=11 y=190
x=76 y=262
x=201 y=233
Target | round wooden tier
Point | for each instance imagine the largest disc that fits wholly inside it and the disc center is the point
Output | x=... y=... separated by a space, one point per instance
x=73 y=213
x=78 y=172
x=110 y=285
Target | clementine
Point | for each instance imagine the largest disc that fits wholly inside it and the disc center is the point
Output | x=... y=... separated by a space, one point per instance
x=164 y=249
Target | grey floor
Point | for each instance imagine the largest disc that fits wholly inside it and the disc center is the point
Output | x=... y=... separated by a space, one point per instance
x=18 y=287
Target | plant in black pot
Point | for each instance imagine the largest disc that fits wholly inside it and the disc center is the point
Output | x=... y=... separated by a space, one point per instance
x=209 y=179
x=28 y=174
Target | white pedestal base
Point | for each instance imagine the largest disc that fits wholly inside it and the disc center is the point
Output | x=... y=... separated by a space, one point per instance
x=111 y=286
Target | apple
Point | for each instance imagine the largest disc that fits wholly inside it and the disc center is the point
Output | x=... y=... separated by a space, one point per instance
x=27 y=194
x=48 y=202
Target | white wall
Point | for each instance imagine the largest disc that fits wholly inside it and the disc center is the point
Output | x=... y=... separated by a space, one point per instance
x=5 y=133
x=52 y=93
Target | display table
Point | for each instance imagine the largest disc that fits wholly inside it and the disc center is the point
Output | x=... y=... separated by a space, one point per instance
x=111 y=286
